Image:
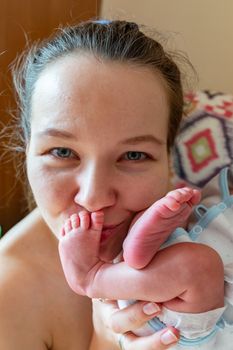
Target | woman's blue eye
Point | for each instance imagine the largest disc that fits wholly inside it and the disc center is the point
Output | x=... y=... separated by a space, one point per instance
x=133 y=155
x=62 y=152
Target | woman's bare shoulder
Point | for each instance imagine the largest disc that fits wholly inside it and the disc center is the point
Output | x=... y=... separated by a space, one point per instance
x=23 y=229
x=24 y=252
x=29 y=240
x=19 y=297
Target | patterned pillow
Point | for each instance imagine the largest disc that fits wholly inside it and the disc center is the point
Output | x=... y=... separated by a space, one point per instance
x=205 y=142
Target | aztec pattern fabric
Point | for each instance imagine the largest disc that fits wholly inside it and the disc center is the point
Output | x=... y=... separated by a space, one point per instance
x=205 y=142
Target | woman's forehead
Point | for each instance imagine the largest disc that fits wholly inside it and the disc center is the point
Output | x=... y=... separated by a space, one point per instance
x=83 y=88
x=74 y=73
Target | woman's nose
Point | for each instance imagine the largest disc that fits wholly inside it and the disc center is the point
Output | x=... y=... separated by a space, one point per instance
x=95 y=190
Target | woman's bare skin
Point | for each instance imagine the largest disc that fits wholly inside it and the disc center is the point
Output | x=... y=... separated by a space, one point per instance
x=47 y=313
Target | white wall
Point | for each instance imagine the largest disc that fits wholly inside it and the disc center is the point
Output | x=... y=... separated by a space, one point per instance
x=205 y=30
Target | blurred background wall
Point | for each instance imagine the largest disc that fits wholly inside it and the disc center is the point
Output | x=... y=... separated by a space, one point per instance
x=204 y=31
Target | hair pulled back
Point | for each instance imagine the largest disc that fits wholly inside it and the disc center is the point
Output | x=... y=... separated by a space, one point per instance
x=111 y=40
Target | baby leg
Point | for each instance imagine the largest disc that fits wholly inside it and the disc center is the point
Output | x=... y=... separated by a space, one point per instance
x=184 y=277
x=151 y=228
x=79 y=249
x=197 y=270
x=190 y=279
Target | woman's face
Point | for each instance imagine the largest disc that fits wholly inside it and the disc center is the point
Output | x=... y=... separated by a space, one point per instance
x=98 y=142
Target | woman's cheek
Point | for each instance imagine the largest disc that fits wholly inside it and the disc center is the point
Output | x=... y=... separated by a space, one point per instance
x=147 y=191
x=50 y=188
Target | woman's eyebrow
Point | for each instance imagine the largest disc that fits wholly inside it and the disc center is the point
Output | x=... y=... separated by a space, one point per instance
x=130 y=141
x=143 y=138
x=56 y=133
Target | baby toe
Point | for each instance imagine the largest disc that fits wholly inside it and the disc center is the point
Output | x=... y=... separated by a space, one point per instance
x=84 y=218
x=97 y=219
x=170 y=203
x=186 y=194
x=196 y=196
x=75 y=222
x=63 y=233
x=67 y=226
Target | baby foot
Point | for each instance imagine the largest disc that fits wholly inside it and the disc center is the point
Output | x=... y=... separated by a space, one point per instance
x=151 y=228
x=79 y=249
